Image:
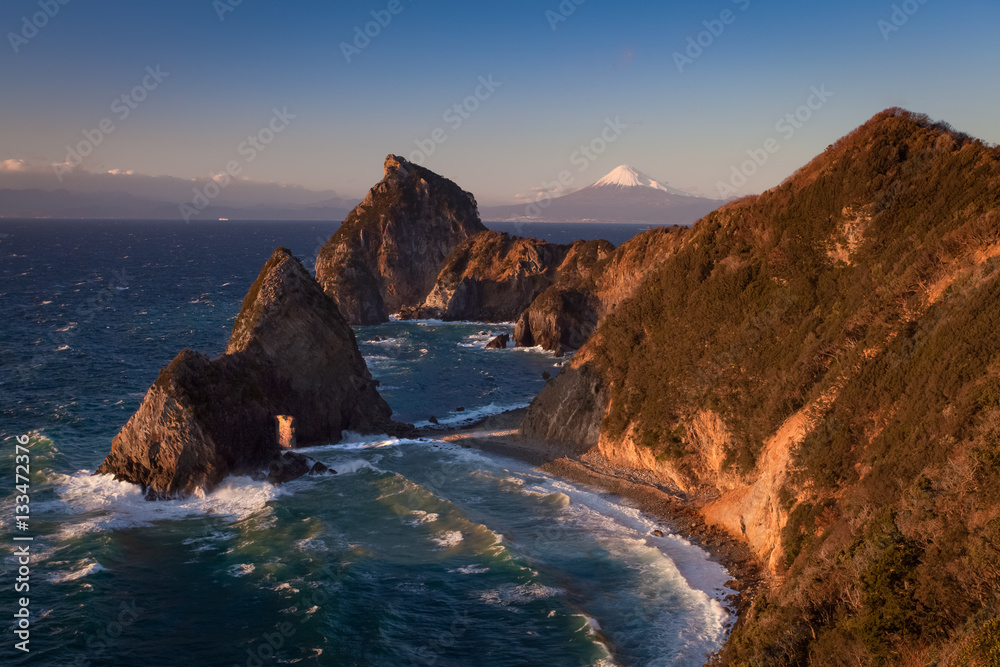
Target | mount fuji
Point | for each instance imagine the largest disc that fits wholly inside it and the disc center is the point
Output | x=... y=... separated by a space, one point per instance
x=626 y=195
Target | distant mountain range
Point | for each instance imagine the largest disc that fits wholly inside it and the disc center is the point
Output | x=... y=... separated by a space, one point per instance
x=37 y=203
x=625 y=195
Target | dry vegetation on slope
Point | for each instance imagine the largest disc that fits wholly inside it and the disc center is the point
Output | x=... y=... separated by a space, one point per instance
x=819 y=367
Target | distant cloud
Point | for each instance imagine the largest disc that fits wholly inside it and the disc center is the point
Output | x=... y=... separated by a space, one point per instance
x=538 y=193
x=14 y=165
x=121 y=172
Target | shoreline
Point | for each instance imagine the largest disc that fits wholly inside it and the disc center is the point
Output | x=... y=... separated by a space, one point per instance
x=500 y=434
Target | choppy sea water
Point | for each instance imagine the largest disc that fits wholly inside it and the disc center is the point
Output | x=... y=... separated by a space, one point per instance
x=417 y=553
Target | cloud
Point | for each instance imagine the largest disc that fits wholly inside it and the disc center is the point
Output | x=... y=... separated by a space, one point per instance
x=14 y=165
x=539 y=193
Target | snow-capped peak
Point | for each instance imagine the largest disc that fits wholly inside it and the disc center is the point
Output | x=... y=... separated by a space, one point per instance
x=627 y=177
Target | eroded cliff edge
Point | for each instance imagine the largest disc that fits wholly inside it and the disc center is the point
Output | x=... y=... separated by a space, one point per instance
x=291 y=353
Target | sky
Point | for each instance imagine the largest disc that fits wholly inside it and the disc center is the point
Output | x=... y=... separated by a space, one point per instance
x=685 y=92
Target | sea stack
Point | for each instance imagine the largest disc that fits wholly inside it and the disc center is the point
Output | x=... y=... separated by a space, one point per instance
x=292 y=359
x=389 y=251
x=491 y=277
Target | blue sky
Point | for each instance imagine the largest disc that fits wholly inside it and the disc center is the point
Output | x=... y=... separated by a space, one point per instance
x=558 y=87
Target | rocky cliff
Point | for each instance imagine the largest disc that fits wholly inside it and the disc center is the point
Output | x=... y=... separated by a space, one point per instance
x=492 y=277
x=389 y=251
x=593 y=280
x=291 y=354
x=818 y=369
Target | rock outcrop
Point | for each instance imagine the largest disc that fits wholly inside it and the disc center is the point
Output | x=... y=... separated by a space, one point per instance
x=389 y=251
x=491 y=277
x=499 y=343
x=291 y=355
x=593 y=280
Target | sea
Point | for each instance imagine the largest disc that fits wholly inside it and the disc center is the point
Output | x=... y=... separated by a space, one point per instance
x=418 y=552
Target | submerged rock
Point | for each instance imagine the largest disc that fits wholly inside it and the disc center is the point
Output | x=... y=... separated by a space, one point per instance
x=289 y=466
x=291 y=354
x=389 y=251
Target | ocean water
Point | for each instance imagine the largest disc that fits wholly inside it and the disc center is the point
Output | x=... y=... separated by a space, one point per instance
x=418 y=552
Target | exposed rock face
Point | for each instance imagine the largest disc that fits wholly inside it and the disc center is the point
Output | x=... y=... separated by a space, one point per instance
x=559 y=320
x=569 y=409
x=594 y=279
x=491 y=277
x=291 y=354
x=285 y=425
x=389 y=251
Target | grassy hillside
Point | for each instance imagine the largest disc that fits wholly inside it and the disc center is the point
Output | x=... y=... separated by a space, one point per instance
x=863 y=297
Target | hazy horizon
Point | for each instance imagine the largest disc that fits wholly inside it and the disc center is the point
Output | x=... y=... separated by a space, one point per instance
x=533 y=84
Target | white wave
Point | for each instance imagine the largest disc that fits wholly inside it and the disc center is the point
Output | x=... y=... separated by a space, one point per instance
x=448 y=538
x=692 y=563
x=680 y=590
x=437 y=323
x=209 y=541
x=311 y=544
x=590 y=623
x=88 y=569
x=509 y=594
x=385 y=341
x=350 y=439
x=241 y=569
x=354 y=465
x=122 y=505
x=422 y=517
x=474 y=414
x=470 y=569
